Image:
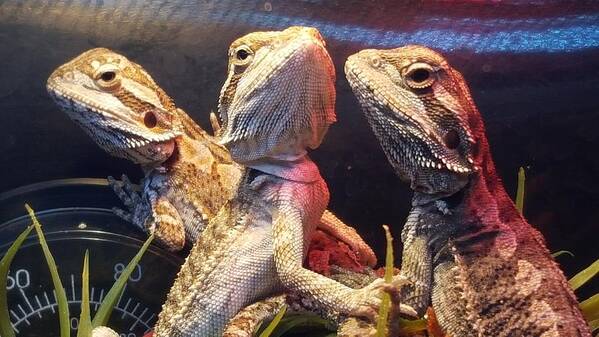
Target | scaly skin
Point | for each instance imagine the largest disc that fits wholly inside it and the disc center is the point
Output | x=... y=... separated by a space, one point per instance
x=277 y=102
x=188 y=175
x=254 y=247
x=466 y=247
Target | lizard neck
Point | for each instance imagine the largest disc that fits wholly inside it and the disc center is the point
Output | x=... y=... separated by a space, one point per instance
x=484 y=198
x=302 y=169
x=474 y=217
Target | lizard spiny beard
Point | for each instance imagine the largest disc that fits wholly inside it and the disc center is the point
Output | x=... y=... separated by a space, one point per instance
x=253 y=127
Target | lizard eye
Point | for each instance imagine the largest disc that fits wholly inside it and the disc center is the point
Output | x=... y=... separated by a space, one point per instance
x=107 y=77
x=419 y=76
x=243 y=55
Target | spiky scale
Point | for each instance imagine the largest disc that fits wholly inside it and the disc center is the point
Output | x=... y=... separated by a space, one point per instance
x=477 y=260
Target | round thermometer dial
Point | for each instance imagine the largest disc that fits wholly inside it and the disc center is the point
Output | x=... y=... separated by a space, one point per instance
x=70 y=231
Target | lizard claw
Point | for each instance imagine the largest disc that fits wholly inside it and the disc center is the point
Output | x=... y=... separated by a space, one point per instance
x=130 y=189
x=367 y=312
x=392 y=289
x=136 y=211
x=121 y=213
x=118 y=189
x=124 y=191
x=369 y=298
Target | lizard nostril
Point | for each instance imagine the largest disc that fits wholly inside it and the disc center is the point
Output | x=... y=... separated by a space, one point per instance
x=452 y=139
x=150 y=120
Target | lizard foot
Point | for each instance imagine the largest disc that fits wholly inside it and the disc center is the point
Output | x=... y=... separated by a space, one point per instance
x=127 y=192
x=368 y=299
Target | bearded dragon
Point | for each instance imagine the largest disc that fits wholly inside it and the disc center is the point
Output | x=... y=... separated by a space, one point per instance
x=277 y=101
x=188 y=175
x=466 y=247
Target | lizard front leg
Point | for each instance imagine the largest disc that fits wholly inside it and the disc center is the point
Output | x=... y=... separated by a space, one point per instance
x=167 y=224
x=332 y=296
x=416 y=267
x=246 y=321
x=416 y=261
x=151 y=212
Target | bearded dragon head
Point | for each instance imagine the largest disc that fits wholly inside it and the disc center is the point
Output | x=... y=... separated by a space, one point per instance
x=279 y=96
x=118 y=105
x=422 y=113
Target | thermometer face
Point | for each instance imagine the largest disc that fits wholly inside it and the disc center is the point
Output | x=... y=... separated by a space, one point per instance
x=111 y=243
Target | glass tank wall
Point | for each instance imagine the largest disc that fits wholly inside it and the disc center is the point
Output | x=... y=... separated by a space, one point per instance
x=532 y=66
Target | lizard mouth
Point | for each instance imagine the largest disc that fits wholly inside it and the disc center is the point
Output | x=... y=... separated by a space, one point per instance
x=174 y=156
x=83 y=109
x=154 y=152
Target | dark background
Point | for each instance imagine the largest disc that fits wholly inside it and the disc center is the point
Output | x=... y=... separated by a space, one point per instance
x=533 y=68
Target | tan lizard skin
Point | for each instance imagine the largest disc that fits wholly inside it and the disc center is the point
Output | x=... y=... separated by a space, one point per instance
x=467 y=250
x=188 y=175
x=254 y=247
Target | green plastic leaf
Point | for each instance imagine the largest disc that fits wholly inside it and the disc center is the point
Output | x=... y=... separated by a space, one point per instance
x=409 y=327
x=590 y=308
x=61 y=297
x=381 y=324
x=594 y=325
x=5 y=325
x=562 y=252
x=520 y=190
x=85 y=323
x=584 y=276
x=273 y=324
x=113 y=295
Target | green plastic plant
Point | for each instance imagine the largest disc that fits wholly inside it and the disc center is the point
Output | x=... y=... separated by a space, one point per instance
x=86 y=325
x=590 y=310
x=562 y=252
x=6 y=329
x=520 y=190
x=273 y=324
x=61 y=297
x=590 y=306
x=381 y=324
x=103 y=313
x=584 y=276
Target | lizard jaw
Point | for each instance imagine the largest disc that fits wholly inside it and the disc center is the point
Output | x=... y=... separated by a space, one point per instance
x=415 y=138
x=111 y=134
x=173 y=154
